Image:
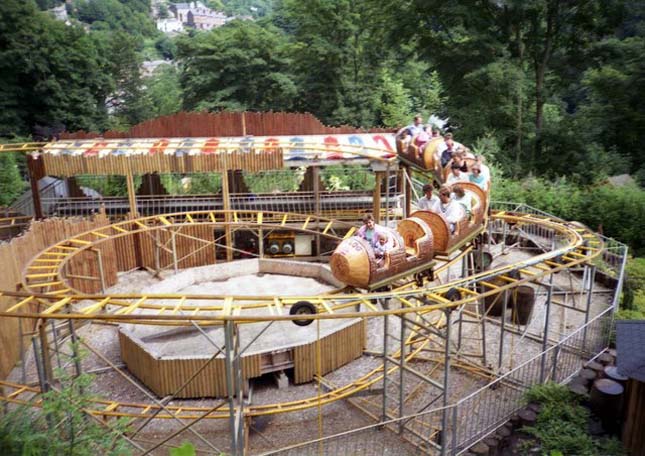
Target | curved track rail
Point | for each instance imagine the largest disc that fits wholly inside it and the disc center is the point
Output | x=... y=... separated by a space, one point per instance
x=46 y=285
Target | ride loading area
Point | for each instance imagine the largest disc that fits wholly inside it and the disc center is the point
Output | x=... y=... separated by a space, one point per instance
x=237 y=320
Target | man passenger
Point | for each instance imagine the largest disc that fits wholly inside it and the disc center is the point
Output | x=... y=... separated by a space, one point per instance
x=452 y=211
x=429 y=201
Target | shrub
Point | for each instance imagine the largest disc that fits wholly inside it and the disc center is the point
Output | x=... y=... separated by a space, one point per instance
x=561 y=426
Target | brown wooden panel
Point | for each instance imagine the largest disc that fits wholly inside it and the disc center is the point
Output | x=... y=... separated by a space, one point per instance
x=205 y=124
x=15 y=255
x=634 y=426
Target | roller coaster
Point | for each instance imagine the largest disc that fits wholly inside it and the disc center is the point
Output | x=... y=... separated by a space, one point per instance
x=429 y=307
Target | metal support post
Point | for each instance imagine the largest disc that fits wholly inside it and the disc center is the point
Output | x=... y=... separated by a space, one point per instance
x=501 y=335
x=401 y=376
x=52 y=323
x=35 y=192
x=23 y=361
x=233 y=388
x=384 y=396
x=40 y=371
x=592 y=279
x=446 y=380
x=545 y=340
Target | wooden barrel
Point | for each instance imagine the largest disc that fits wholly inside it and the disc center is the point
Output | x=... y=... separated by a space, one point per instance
x=611 y=372
x=494 y=304
x=607 y=401
x=523 y=302
x=352 y=261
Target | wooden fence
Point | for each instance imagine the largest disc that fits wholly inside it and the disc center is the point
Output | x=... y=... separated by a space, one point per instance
x=205 y=124
x=153 y=249
x=14 y=257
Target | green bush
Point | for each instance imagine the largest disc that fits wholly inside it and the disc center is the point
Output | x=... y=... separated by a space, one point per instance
x=61 y=426
x=561 y=426
x=618 y=211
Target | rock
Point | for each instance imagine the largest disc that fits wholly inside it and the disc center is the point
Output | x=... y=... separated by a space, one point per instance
x=535 y=407
x=504 y=432
x=588 y=374
x=527 y=417
x=606 y=359
x=595 y=366
x=480 y=449
x=579 y=389
x=492 y=444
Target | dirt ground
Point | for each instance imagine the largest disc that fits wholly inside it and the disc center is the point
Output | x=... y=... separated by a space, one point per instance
x=267 y=433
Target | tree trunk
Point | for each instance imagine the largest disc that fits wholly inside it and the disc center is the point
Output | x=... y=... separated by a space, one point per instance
x=541 y=62
x=518 y=134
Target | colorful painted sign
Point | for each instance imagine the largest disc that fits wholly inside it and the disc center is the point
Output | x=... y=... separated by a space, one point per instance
x=312 y=147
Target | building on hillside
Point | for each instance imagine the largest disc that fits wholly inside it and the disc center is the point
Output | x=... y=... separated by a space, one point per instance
x=205 y=18
x=59 y=13
x=170 y=25
x=197 y=15
x=180 y=10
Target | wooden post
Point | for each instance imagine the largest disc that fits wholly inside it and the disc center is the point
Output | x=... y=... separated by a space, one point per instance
x=315 y=173
x=132 y=197
x=33 y=181
x=407 y=190
x=48 y=372
x=376 y=207
x=226 y=199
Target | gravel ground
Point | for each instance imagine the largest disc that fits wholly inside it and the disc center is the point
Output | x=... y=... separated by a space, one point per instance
x=280 y=430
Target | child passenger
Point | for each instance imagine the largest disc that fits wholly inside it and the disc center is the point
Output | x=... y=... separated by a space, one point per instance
x=381 y=248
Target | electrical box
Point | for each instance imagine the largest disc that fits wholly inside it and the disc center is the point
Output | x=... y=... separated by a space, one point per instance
x=303 y=244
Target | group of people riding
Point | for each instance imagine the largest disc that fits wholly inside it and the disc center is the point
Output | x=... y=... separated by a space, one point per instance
x=457 y=162
x=452 y=201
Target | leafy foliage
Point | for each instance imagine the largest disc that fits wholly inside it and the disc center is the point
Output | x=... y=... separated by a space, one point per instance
x=11 y=183
x=61 y=426
x=238 y=66
x=129 y=16
x=618 y=212
x=561 y=426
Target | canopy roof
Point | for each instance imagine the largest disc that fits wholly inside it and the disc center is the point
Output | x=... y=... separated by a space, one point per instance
x=185 y=155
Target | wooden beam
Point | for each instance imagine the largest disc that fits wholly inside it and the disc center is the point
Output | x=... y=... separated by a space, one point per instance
x=376 y=207
x=226 y=199
x=35 y=193
x=132 y=197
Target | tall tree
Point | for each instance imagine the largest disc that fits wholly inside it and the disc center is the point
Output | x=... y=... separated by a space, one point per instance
x=50 y=73
x=241 y=65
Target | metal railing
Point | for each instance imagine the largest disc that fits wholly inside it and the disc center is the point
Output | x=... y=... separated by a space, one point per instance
x=339 y=204
x=484 y=410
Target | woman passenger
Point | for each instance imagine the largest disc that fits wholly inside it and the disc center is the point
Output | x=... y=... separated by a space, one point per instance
x=463 y=198
x=369 y=230
x=477 y=178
